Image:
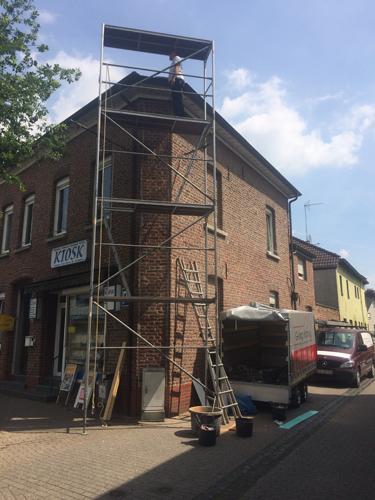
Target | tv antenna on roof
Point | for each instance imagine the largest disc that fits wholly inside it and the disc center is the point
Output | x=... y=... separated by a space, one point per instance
x=308 y=205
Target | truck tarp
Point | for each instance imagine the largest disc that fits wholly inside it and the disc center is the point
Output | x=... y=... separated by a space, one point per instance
x=255 y=312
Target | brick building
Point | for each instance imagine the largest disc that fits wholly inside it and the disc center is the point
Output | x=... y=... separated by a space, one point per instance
x=45 y=254
x=303 y=277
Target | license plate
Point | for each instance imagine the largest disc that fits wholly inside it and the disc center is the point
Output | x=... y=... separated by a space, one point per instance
x=325 y=372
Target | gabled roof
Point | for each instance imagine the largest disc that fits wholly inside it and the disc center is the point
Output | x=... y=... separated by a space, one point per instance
x=325 y=259
x=224 y=130
x=87 y=117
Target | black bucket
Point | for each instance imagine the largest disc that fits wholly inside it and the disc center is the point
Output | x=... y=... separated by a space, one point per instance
x=278 y=411
x=207 y=435
x=244 y=427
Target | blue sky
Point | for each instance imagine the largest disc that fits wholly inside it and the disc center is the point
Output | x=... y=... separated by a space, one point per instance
x=296 y=79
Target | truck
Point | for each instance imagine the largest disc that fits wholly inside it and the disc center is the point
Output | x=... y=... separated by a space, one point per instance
x=269 y=354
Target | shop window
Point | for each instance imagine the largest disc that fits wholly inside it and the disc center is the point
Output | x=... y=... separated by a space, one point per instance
x=105 y=185
x=77 y=330
x=302 y=269
x=271 y=239
x=28 y=220
x=274 y=299
x=7 y=226
x=61 y=206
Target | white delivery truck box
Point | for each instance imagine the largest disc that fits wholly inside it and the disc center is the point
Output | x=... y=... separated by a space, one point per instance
x=269 y=353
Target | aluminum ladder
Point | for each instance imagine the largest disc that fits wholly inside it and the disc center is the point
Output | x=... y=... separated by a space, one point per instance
x=189 y=278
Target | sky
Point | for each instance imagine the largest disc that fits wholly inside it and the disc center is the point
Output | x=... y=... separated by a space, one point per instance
x=295 y=78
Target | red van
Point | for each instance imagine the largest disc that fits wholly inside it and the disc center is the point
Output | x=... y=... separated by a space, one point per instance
x=346 y=355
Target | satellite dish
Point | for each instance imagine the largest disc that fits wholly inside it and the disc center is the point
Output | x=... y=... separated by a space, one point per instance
x=310 y=240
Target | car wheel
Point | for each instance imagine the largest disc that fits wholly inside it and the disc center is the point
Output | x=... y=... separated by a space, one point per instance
x=371 y=373
x=357 y=380
x=304 y=392
x=296 y=398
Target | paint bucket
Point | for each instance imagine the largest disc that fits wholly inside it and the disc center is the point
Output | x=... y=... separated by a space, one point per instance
x=244 y=427
x=205 y=415
x=278 y=411
x=207 y=435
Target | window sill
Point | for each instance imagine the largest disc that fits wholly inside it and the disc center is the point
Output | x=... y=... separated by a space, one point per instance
x=273 y=256
x=219 y=232
x=5 y=254
x=22 y=249
x=60 y=236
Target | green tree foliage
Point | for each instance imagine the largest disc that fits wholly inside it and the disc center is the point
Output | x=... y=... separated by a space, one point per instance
x=25 y=86
x=370 y=293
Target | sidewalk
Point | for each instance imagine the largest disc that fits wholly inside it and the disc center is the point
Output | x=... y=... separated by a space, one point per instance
x=43 y=453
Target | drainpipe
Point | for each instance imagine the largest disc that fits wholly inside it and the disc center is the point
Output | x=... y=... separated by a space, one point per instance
x=293 y=296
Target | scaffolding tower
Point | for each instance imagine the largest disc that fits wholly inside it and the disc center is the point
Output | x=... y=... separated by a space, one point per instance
x=116 y=117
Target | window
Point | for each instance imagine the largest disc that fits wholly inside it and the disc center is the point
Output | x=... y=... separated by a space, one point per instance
x=368 y=315
x=308 y=309
x=106 y=175
x=2 y=302
x=270 y=216
x=347 y=288
x=341 y=287
x=301 y=269
x=8 y=214
x=61 y=206
x=274 y=299
x=28 y=221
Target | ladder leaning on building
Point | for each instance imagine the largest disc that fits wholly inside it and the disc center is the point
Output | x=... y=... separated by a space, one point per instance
x=189 y=278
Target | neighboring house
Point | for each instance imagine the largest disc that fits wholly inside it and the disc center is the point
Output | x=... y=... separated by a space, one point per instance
x=304 y=277
x=339 y=287
x=44 y=264
x=370 y=306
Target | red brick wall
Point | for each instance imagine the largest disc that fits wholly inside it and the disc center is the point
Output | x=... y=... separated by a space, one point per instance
x=247 y=272
x=326 y=313
x=304 y=287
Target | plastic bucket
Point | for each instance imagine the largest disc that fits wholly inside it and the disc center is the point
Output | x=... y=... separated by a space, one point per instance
x=205 y=415
x=244 y=427
x=207 y=435
x=278 y=411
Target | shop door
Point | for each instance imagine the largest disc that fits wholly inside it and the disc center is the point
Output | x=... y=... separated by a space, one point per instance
x=60 y=337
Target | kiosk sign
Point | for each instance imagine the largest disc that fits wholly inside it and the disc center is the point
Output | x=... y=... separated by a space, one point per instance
x=70 y=254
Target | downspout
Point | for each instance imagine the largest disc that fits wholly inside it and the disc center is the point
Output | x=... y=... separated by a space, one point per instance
x=293 y=294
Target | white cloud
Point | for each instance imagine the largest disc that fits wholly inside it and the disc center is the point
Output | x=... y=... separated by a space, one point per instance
x=46 y=17
x=264 y=117
x=70 y=98
x=239 y=78
x=344 y=253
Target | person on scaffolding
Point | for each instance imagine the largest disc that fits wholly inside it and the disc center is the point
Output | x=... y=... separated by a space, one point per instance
x=176 y=82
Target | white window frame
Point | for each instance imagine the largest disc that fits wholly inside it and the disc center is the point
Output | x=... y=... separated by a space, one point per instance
x=7 y=228
x=270 y=231
x=60 y=186
x=28 y=221
x=107 y=164
x=274 y=299
x=301 y=268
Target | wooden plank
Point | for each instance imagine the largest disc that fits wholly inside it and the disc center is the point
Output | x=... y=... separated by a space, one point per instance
x=275 y=346
x=115 y=384
x=240 y=346
x=274 y=334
